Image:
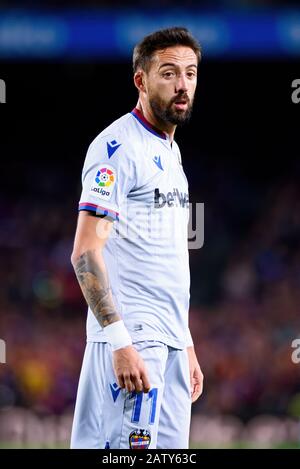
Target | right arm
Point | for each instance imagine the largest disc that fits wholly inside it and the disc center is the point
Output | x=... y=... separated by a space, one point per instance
x=87 y=258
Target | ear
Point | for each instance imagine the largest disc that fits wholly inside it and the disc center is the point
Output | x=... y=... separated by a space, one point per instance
x=139 y=80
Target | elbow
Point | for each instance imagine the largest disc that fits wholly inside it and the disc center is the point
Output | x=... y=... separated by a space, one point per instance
x=74 y=257
x=82 y=251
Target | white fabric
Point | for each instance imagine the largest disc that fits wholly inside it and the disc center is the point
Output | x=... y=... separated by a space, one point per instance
x=104 y=414
x=147 y=253
x=189 y=339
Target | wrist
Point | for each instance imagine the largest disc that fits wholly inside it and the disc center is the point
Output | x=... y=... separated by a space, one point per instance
x=117 y=335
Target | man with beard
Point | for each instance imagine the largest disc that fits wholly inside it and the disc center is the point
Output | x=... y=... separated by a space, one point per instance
x=140 y=373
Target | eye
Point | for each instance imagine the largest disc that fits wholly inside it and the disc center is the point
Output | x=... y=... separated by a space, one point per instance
x=168 y=74
x=191 y=74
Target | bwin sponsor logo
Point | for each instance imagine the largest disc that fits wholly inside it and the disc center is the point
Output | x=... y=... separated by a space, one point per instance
x=171 y=199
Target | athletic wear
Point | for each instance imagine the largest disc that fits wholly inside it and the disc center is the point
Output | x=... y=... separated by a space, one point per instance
x=133 y=175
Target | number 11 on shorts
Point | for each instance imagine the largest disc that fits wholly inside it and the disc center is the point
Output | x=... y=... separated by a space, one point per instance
x=138 y=400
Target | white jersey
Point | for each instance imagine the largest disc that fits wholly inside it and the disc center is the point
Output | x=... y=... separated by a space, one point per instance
x=133 y=175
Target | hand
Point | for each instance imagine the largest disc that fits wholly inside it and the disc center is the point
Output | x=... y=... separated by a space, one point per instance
x=196 y=375
x=130 y=370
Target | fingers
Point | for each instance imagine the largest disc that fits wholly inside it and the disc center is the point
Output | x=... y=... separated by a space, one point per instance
x=120 y=381
x=196 y=393
x=130 y=370
x=134 y=383
x=196 y=384
x=129 y=385
x=124 y=382
x=145 y=381
x=138 y=384
x=192 y=382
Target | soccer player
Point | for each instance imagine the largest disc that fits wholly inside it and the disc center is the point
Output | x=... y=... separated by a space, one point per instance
x=140 y=373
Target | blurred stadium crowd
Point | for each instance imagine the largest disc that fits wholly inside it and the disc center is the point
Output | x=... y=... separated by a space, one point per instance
x=244 y=312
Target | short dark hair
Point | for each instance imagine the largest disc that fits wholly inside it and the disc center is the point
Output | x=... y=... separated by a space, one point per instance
x=170 y=37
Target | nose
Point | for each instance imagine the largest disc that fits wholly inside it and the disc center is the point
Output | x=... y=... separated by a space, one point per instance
x=181 y=84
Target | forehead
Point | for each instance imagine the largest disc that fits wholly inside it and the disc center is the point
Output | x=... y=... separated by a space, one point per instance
x=179 y=55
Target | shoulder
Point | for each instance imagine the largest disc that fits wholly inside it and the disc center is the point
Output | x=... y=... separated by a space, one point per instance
x=121 y=137
x=116 y=149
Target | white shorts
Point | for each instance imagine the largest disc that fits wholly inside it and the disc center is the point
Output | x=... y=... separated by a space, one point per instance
x=109 y=417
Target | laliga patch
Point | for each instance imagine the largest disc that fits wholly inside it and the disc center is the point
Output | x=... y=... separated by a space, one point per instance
x=139 y=439
x=104 y=182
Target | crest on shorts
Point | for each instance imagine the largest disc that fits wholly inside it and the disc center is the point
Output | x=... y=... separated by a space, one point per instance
x=139 y=439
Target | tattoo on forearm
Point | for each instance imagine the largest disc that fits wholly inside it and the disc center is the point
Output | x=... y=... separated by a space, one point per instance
x=96 y=290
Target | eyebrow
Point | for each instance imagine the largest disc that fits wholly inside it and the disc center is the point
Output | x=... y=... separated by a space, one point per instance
x=169 y=64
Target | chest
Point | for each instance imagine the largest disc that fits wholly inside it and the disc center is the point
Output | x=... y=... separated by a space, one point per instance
x=162 y=182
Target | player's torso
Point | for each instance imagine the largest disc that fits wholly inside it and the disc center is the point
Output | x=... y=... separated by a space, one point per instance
x=157 y=208
x=147 y=251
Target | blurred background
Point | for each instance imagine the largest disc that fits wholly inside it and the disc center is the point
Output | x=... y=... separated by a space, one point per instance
x=68 y=75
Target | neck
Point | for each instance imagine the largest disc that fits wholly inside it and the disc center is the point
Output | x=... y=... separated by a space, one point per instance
x=167 y=128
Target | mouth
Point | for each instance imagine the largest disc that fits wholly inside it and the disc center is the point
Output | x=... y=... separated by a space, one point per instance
x=181 y=104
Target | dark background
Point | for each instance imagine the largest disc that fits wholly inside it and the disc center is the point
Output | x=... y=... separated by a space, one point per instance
x=243 y=116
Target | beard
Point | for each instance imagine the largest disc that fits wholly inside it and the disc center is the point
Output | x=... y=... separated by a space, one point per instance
x=166 y=114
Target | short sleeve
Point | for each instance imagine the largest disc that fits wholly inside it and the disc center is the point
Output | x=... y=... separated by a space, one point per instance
x=189 y=339
x=108 y=176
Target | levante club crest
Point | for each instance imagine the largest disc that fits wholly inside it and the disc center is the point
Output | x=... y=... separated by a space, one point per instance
x=139 y=439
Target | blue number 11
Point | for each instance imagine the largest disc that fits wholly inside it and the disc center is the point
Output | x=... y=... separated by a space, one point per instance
x=138 y=399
